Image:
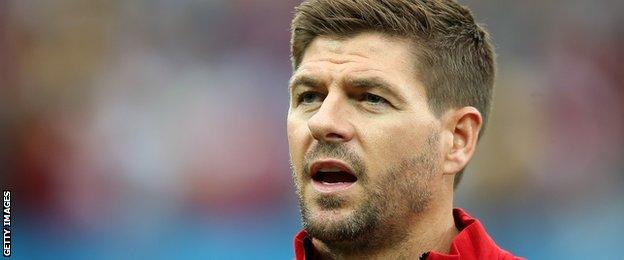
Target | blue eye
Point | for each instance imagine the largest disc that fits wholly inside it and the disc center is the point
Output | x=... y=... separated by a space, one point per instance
x=308 y=97
x=374 y=99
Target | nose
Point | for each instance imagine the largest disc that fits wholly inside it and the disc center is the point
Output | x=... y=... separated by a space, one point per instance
x=331 y=122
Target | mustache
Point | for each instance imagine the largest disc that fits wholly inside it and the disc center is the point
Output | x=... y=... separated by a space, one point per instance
x=335 y=151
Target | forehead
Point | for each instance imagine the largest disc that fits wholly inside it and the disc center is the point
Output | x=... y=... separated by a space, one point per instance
x=365 y=52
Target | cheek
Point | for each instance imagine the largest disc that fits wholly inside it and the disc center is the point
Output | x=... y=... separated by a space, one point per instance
x=298 y=139
x=390 y=144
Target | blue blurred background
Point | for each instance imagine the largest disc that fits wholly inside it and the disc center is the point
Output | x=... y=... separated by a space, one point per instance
x=156 y=129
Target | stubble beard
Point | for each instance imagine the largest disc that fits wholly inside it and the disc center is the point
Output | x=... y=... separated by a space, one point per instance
x=381 y=218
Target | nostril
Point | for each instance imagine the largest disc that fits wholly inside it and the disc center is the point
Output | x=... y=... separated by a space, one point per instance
x=334 y=136
x=330 y=127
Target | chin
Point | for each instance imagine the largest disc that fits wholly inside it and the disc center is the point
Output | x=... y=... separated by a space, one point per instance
x=331 y=216
x=329 y=225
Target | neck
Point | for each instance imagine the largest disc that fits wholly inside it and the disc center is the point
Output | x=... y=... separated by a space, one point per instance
x=431 y=230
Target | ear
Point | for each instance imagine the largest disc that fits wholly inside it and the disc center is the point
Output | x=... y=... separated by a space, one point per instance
x=463 y=126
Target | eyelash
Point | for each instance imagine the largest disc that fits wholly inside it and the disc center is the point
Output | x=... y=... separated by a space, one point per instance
x=382 y=101
x=302 y=95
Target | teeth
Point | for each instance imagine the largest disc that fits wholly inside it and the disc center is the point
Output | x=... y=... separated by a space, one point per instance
x=334 y=169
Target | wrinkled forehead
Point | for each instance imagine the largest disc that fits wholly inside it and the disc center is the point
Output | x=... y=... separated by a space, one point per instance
x=361 y=44
x=368 y=45
x=365 y=53
x=374 y=50
x=365 y=61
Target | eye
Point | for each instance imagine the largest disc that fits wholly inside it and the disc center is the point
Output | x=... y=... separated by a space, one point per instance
x=374 y=99
x=309 y=97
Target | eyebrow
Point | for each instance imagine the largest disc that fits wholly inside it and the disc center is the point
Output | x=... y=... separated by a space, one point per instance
x=368 y=82
x=304 y=80
x=357 y=82
x=374 y=82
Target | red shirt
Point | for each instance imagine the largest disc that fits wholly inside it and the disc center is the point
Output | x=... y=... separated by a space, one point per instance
x=472 y=242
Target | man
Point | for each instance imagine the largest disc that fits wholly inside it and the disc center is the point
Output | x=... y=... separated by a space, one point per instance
x=387 y=102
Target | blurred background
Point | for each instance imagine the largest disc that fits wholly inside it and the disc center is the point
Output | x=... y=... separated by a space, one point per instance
x=156 y=129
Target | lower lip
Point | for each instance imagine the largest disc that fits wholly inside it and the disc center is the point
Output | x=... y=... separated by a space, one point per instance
x=326 y=187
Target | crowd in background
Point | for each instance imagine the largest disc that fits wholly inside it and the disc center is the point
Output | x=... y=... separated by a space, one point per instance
x=156 y=129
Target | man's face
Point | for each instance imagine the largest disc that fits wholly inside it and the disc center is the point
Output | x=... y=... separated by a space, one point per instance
x=363 y=143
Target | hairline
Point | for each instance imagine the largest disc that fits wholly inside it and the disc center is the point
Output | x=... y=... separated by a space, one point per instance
x=416 y=48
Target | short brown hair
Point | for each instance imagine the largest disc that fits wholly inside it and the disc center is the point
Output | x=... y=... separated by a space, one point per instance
x=454 y=56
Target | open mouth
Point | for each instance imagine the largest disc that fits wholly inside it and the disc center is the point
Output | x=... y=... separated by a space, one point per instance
x=331 y=176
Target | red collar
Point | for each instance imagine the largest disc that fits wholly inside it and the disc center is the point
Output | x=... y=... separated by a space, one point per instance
x=472 y=242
